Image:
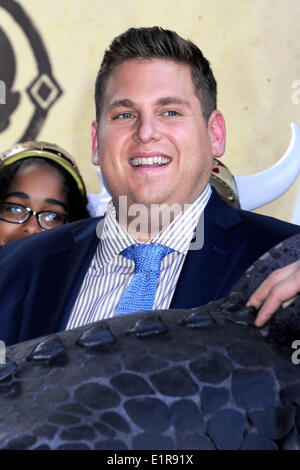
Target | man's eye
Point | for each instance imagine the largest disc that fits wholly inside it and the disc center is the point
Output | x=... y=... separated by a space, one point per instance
x=171 y=113
x=123 y=116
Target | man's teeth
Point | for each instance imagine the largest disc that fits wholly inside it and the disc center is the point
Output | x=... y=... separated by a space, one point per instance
x=150 y=161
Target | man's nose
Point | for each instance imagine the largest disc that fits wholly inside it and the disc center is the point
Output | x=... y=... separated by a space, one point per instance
x=148 y=128
x=31 y=226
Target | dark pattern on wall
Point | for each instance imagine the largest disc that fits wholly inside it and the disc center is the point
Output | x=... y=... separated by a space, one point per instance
x=43 y=91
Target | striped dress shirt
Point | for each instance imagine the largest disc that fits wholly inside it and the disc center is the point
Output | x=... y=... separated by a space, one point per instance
x=110 y=273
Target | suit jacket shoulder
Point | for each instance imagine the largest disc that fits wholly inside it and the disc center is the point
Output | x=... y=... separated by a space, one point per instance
x=51 y=240
x=40 y=276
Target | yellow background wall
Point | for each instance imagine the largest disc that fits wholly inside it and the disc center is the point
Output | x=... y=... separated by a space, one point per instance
x=253 y=47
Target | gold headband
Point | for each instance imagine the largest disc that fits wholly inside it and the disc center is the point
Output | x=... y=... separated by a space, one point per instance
x=44 y=150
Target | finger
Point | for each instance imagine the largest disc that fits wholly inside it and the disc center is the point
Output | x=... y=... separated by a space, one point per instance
x=282 y=293
x=263 y=291
x=269 y=307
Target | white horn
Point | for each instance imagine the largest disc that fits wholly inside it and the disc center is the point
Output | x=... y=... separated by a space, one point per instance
x=261 y=188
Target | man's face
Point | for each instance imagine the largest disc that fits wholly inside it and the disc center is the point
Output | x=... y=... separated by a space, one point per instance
x=152 y=141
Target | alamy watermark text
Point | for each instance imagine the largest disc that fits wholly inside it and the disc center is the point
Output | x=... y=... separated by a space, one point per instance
x=296 y=354
x=2 y=353
x=2 y=92
x=143 y=223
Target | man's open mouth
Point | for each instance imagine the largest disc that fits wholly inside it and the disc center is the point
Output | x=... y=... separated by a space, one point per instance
x=149 y=161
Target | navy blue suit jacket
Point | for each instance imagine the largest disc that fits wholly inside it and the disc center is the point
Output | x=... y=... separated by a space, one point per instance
x=41 y=275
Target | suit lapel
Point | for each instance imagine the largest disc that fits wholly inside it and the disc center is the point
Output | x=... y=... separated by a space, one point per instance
x=208 y=273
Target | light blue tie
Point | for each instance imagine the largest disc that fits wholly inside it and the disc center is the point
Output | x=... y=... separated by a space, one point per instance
x=140 y=293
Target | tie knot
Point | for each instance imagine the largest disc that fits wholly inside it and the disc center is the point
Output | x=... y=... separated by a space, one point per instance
x=148 y=257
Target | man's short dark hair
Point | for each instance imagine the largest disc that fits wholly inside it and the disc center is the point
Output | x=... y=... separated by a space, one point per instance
x=158 y=43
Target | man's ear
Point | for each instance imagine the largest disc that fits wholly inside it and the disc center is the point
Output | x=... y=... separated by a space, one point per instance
x=217 y=133
x=94 y=137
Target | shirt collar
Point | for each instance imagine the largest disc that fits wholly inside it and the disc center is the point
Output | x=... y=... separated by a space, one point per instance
x=176 y=235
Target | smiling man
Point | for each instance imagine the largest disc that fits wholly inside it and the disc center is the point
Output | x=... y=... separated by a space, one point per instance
x=156 y=132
